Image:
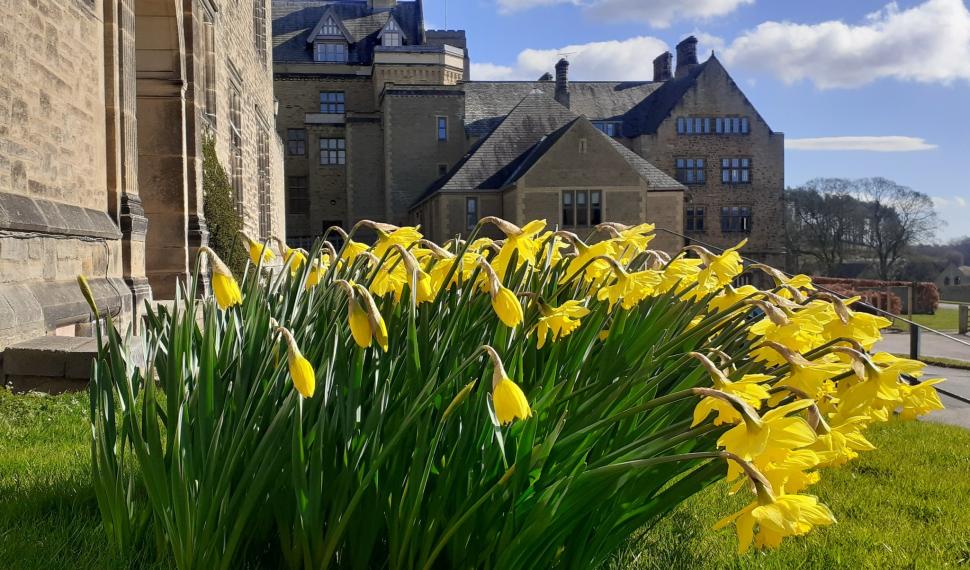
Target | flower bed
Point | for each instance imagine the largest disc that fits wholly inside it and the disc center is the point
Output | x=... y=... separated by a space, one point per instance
x=527 y=403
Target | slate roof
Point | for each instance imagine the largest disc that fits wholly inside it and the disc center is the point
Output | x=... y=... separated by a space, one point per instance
x=521 y=138
x=293 y=20
x=639 y=106
x=487 y=102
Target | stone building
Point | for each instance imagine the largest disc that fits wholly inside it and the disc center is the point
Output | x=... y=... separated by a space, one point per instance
x=382 y=121
x=103 y=110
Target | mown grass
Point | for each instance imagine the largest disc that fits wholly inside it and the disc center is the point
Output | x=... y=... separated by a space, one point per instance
x=945 y=319
x=903 y=506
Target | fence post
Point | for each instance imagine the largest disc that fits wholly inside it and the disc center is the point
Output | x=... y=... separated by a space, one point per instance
x=914 y=341
x=964 y=314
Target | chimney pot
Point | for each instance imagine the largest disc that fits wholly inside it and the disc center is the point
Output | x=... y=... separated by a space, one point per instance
x=686 y=55
x=562 y=82
x=662 y=66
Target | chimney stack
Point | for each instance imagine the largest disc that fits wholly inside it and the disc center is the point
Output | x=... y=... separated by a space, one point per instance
x=686 y=55
x=562 y=82
x=663 y=66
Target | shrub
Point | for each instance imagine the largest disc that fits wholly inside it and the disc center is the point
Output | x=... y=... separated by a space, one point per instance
x=927 y=294
x=219 y=209
x=398 y=407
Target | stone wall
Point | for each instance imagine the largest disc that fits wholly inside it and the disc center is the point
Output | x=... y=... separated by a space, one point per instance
x=413 y=155
x=328 y=185
x=240 y=65
x=716 y=94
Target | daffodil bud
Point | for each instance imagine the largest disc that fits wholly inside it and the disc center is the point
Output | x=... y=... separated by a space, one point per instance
x=507 y=398
x=82 y=282
x=301 y=371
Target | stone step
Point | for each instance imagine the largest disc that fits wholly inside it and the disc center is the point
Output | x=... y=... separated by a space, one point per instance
x=53 y=364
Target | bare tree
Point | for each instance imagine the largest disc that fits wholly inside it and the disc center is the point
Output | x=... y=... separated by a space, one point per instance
x=822 y=218
x=896 y=217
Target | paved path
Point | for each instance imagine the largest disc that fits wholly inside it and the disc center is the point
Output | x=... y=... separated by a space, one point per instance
x=931 y=345
x=957 y=382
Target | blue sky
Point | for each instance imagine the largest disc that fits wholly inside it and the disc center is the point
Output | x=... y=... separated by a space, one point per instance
x=860 y=88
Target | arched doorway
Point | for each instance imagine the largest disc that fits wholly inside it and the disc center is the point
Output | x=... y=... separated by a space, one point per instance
x=161 y=119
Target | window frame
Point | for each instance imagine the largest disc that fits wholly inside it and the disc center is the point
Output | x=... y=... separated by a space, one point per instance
x=335 y=155
x=297 y=204
x=344 y=51
x=336 y=106
x=692 y=171
x=695 y=218
x=736 y=170
x=441 y=129
x=736 y=219
x=470 y=212
x=299 y=141
x=581 y=208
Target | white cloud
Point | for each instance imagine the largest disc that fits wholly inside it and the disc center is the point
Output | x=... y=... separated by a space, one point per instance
x=657 y=13
x=874 y=144
x=625 y=60
x=942 y=202
x=928 y=43
x=491 y=72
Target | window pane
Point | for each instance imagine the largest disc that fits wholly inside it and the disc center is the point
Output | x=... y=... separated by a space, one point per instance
x=680 y=163
x=596 y=207
x=582 y=212
x=744 y=125
x=568 y=212
x=719 y=122
x=680 y=125
x=737 y=124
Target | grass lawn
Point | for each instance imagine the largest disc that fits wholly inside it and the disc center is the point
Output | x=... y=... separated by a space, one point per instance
x=945 y=319
x=904 y=505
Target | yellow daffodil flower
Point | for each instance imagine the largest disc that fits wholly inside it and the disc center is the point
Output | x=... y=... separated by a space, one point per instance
x=559 y=321
x=629 y=288
x=775 y=430
x=258 y=250
x=224 y=285
x=730 y=297
x=768 y=520
x=521 y=241
x=919 y=400
x=508 y=399
x=301 y=371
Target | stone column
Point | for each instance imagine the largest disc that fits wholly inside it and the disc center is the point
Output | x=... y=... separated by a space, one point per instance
x=122 y=148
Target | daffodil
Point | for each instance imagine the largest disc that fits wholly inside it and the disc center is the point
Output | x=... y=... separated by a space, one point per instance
x=590 y=259
x=861 y=327
x=508 y=399
x=559 y=321
x=629 y=289
x=774 y=430
x=730 y=297
x=504 y=302
x=920 y=399
x=842 y=442
x=224 y=285
x=301 y=371
x=365 y=321
x=680 y=273
x=389 y=236
x=720 y=269
x=768 y=520
x=518 y=241
x=258 y=250
x=749 y=389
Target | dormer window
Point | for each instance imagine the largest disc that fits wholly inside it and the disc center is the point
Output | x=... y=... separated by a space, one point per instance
x=391 y=37
x=330 y=28
x=330 y=52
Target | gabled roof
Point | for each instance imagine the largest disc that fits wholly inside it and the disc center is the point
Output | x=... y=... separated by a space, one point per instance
x=487 y=102
x=294 y=20
x=490 y=163
x=327 y=15
x=523 y=137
